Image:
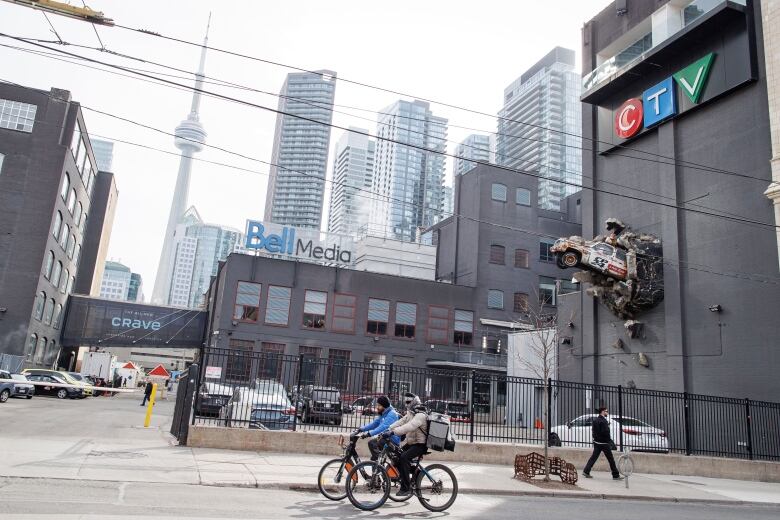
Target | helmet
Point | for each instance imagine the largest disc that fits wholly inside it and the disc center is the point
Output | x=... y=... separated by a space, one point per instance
x=411 y=401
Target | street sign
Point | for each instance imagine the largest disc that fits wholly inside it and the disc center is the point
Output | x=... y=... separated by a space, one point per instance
x=213 y=372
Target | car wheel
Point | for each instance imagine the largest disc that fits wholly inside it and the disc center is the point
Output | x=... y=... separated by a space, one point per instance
x=555 y=440
x=570 y=259
x=4 y=395
x=62 y=393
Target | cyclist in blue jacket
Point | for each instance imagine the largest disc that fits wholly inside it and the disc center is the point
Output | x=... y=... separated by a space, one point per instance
x=387 y=416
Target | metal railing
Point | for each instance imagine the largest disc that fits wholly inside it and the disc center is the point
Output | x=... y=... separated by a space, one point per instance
x=248 y=389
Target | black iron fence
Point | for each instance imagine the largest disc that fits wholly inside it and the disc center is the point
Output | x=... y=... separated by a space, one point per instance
x=273 y=391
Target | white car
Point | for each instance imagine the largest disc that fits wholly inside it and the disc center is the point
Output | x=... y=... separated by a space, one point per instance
x=637 y=435
x=271 y=410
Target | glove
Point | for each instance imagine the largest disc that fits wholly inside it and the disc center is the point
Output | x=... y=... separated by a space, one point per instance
x=387 y=434
x=354 y=435
x=365 y=435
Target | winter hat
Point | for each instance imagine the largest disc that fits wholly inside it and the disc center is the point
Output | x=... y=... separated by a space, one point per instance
x=384 y=401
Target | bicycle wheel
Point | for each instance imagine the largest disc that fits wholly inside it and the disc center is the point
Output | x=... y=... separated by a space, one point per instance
x=332 y=478
x=368 y=486
x=437 y=487
x=395 y=484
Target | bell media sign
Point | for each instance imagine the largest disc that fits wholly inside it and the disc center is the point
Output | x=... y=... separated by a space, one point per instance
x=659 y=102
x=304 y=244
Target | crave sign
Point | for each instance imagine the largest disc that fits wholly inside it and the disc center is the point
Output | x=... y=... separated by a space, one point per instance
x=659 y=102
x=297 y=243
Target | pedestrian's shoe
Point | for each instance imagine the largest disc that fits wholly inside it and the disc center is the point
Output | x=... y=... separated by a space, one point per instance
x=587 y=475
x=617 y=478
x=403 y=492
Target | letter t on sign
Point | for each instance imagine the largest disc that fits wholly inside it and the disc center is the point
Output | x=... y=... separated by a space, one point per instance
x=660 y=102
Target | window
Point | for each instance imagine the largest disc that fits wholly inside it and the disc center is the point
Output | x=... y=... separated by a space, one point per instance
x=545 y=255
x=17 y=116
x=464 y=327
x=497 y=254
x=495 y=299
x=498 y=192
x=76 y=140
x=2 y=157
x=55 y=275
x=378 y=316
x=55 y=321
x=71 y=282
x=65 y=186
x=80 y=156
x=546 y=290
x=71 y=246
x=405 y=320
x=72 y=201
x=523 y=197
x=247 y=306
x=310 y=365
x=64 y=281
x=48 y=311
x=438 y=324
x=90 y=183
x=566 y=286
x=65 y=233
x=343 y=313
x=39 y=350
x=79 y=212
x=48 y=264
x=77 y=256
x=31 y=346
x=239 y=362
x=521 y=302
x=83 y=223
x=272 y=361
x=521 y=258
x=314 y=306
x=55 y=232
x=40 y=301
x=338 y=366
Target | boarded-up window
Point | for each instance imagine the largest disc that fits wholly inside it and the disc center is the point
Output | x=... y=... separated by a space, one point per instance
x=497 y=254
x=520 y=302
x=521 y=258
x=277 y=312
x=344 y=313
x=438 y=324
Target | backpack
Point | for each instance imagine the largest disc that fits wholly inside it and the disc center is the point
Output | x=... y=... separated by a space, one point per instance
x=440 y=436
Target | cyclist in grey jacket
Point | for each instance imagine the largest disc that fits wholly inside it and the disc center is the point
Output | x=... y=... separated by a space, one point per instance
x=415 y=426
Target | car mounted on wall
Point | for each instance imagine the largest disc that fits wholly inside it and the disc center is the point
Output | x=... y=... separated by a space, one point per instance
x=601 y=257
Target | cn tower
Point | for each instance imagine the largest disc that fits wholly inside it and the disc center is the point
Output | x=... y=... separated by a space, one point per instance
x=190 y=137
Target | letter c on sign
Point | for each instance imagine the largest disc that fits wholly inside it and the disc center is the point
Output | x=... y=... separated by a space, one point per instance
x=628 y=118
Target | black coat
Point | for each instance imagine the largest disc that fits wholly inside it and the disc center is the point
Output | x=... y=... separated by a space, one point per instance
x=601 y=433
x=148 y=389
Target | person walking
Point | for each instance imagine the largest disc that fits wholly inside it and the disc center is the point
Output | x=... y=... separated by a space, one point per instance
x=602 y=443
x=147 y=392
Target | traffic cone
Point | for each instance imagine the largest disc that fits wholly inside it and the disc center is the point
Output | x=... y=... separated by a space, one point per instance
x=538 y=424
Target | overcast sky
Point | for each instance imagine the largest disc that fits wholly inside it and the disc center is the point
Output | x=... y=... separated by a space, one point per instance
x=463 y=53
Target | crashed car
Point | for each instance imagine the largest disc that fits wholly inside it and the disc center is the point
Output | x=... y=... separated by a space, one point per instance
x=601 y=257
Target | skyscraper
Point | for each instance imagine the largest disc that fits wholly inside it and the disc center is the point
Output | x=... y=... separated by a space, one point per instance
x=119 y=283
x=104 y=154
x=539 y=124
x=475 y=147
x=296 y=184
x=408 y=181
x=198 y=249
x=353 y=169
x=190 y=138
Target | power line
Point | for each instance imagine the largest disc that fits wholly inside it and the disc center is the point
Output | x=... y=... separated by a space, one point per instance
x=678 y=263
x=394 y=141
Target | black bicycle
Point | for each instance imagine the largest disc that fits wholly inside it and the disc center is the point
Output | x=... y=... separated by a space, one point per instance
x=369 y=483
x=334 y=474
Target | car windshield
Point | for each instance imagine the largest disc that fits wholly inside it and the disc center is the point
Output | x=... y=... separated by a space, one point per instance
x=18 y=377
x=628 y=421
x=457 y=408
x=325 y=395
x=77 y=377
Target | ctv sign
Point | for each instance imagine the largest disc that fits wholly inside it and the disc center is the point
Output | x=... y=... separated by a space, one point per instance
x=298 y=243
x=659 y=102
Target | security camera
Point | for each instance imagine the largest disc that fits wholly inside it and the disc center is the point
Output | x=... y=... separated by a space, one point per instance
x=715 y=308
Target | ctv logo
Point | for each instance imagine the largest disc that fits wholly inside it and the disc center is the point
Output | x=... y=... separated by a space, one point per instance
x=659 y=102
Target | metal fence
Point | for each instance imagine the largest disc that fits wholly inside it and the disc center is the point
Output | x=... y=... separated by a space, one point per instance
x=273 y=391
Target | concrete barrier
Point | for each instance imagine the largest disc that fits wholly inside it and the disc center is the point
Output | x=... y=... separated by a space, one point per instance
x=326 y=443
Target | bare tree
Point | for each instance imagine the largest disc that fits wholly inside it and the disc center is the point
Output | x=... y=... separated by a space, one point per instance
x=540 y=359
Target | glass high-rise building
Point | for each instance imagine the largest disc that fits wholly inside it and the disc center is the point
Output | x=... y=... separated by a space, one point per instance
x=104 y=154
x=475 y=147
x=120 y=283
x=408 y=181
x=539 y=125
x=353 y=170
x=296 y=184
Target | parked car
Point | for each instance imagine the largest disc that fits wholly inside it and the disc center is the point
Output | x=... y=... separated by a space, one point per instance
x=56 y=391
x=259 y=410
x=67 y=379
x=20 y=388
x=82 y=379
x=6 y=389
x=601 y=257
x=364 y=406
x=637 y=435
x=320 y=403
x=457 y=410
x=212 y=397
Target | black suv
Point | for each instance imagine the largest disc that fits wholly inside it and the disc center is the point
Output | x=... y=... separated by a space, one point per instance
x=320 y=403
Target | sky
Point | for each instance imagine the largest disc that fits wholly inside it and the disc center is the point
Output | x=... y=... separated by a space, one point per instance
x=456 y=52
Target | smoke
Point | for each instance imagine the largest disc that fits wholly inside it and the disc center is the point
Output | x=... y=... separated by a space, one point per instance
x=14 y=342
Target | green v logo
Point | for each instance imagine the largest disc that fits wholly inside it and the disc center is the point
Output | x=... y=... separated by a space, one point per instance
x=693 y=77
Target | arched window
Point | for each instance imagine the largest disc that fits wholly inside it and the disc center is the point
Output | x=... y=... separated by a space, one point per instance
x=55 y=275
x=77 y=256
x=90 y=183
x=71 y=246
x=72 y=201
x=39 y=349
x=40 y=300
x=48 y=311
x=83 y=224
x=64 y=235
x=79 y=212
x=31 y=346
x=71 y=282
x=57 y=225
x=64 y=281
x=55 y=321
x=48 y=264
x=65 y=186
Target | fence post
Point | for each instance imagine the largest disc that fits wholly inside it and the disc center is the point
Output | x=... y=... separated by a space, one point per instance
x=549 y=411
x=297 y=391
x=687 y=419
x=620 y=414
x=473 y=393
x=749 y=429
x=389 y=382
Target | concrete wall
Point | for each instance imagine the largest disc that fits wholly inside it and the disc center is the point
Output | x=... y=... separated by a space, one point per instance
x=321 y=443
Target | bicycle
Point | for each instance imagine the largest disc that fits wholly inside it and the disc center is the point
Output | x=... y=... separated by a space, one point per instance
x=331 y=480
x=369 y=484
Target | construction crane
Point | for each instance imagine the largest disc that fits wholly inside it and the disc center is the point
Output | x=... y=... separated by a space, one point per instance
x=61 y=8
